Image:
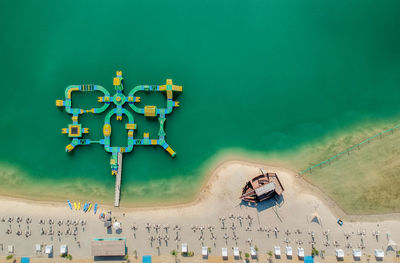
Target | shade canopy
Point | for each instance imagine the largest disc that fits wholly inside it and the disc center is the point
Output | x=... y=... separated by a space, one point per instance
x=277 y=251
x=224 y=252
x=204 y=251
x=104 y=248
x=117 y=225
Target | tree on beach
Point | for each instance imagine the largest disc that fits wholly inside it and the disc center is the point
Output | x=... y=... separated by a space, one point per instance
x=175 y=254
x=269 y=253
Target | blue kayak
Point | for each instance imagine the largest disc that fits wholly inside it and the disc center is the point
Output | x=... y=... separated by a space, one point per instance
x=95 y=208
x=85 y=207
x=69 y=204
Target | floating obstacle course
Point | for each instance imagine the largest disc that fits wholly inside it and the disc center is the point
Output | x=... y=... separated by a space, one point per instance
x=76 y=131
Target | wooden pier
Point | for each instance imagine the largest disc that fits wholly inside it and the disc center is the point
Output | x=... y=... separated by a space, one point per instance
x=118 y=181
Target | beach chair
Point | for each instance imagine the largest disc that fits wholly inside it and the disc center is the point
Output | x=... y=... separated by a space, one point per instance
x=38 y=248
x=289 y=252
x=277 y=251
x=63 y=249
x=10 y=249
x=339 y=254
x=49 y=249
x=184 y=248
x=357 y=254
x=300 y=252
x=253 y=252
x=204 y=251
x=236 y=253
x=224 y=251
x=379 y=254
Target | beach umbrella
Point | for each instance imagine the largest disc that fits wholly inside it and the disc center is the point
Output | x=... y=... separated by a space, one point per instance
x=117 y=225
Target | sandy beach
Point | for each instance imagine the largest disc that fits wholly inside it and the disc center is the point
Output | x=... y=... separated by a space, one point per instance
x=216 y=219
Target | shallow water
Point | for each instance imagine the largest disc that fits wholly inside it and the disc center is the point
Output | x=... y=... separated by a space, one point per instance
x=265 y=76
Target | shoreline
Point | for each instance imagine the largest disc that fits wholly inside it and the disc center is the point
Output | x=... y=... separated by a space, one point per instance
x=222 y=162
x=287 y=160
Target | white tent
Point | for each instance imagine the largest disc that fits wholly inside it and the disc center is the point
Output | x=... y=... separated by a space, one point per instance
x=38 y=248
x=253 y=252
x=289 y=251
x=49 y=249
x=300 y=252
x=224 y=252
x=379 y=253
x=391 y=245
x=357 y=253
x=315 y=218
x=63 y=249
x=204 y=251
x=236 y=252
x=184 y=248
x=339 y=253
x=277 y=251
x=10 y=249
x=117 y=225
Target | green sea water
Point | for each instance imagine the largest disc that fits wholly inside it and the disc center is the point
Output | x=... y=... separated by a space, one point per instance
x=261 y=75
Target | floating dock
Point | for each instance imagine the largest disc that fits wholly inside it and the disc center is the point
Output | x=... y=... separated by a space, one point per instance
x=77 y=132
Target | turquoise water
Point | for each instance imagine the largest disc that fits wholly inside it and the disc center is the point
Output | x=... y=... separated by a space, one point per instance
x=265 y=76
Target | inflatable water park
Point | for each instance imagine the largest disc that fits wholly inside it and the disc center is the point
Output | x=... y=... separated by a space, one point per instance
x=76 y=131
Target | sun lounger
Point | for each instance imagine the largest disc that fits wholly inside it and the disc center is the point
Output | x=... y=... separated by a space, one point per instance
x=204 y=251
x=224 y=252
x=300 y=252
x=277 y=251
x=184 y=248
x=289 y=251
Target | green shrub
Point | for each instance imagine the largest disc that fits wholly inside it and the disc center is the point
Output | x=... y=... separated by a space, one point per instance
x=314 y=252
x=246 y=255
x=126 y=257
x=9 y=257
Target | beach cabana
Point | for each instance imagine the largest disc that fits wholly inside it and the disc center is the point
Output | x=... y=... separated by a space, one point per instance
x=300 y=252
x=38 y=248
x=339 y=254
x=253 y=252
x=379 y=254
x=184 y=247
x=289 y=252
x=63 y=249
x=236 y=253
x=25 y=260
x=277 y=251
x=357 y=254
x=224 y=251
x=49 y=249
x=204 y=251
x=10 y=249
